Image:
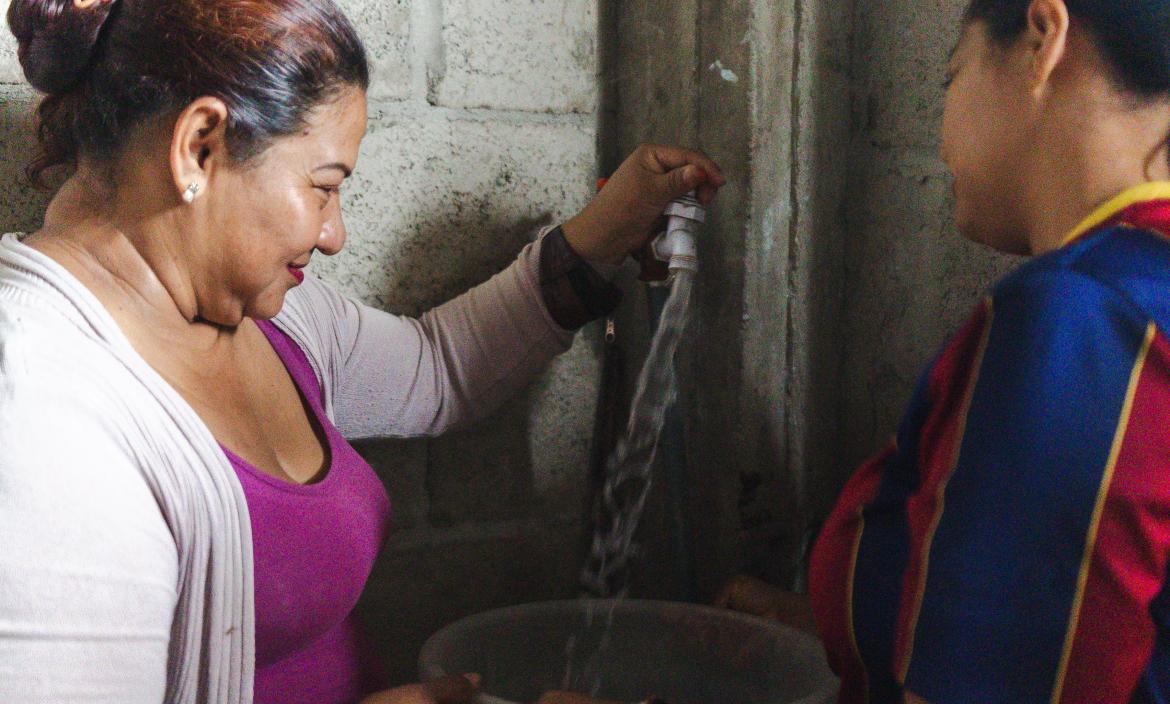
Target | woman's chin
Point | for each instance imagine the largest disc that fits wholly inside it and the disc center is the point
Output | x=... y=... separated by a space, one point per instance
x=990 y=234
x=265 y=306
x=265 y=309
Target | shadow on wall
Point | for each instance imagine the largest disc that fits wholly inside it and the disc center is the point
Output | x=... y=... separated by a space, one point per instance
x=481 y=521
x=485 y=471
x=22 y=207
x=451 y=251
x=419 y=587
x=771 y=503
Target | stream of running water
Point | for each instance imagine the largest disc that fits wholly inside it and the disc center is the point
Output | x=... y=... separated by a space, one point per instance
x=629 y=474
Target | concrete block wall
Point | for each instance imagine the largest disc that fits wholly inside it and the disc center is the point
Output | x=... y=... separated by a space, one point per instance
x=9 y=66
x=795 y=289
x=482 y=129
x=21 y=206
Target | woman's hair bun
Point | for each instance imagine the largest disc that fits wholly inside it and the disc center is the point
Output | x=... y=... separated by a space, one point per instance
x=57 y=39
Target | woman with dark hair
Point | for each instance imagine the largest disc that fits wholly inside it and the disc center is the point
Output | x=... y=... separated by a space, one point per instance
x=1012 y=545
x=183 y=519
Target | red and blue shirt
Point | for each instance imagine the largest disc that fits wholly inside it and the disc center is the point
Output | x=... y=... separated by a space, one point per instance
x=1013 y=544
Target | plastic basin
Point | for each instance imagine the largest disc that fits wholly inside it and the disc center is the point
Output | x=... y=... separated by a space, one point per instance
x=681 y=653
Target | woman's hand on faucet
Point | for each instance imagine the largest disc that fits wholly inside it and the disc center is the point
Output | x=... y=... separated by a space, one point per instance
x=623 y=216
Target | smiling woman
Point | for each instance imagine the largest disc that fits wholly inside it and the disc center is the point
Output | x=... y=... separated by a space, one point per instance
x=184 y=518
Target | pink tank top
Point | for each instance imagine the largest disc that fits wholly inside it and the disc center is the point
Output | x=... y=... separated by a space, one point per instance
x=314 y=546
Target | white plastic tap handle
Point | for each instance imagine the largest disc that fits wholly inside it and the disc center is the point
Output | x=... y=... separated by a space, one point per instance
x=677 y=246
x=688 y=207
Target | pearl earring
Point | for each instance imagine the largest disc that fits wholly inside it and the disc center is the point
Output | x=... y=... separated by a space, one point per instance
x=190 y=193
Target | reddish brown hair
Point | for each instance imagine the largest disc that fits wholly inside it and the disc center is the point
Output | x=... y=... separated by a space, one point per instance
x=107 y=65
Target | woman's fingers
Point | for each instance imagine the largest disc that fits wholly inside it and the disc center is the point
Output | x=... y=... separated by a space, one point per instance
x=685 y=170
x=706 y=193
x=730 y=595
x=664 y=159
x=685 y=179
x=571 y=698
x=749 y=595
x=452 y=690
x=723 y=599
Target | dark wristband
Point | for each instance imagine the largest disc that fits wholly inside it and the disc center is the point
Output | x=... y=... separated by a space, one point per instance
x=573 y=291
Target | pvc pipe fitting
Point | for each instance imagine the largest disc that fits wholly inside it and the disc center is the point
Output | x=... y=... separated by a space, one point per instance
x=677 y=246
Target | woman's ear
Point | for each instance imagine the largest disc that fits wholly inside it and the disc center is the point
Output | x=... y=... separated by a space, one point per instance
x=1046 y=38
x=198 y=146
